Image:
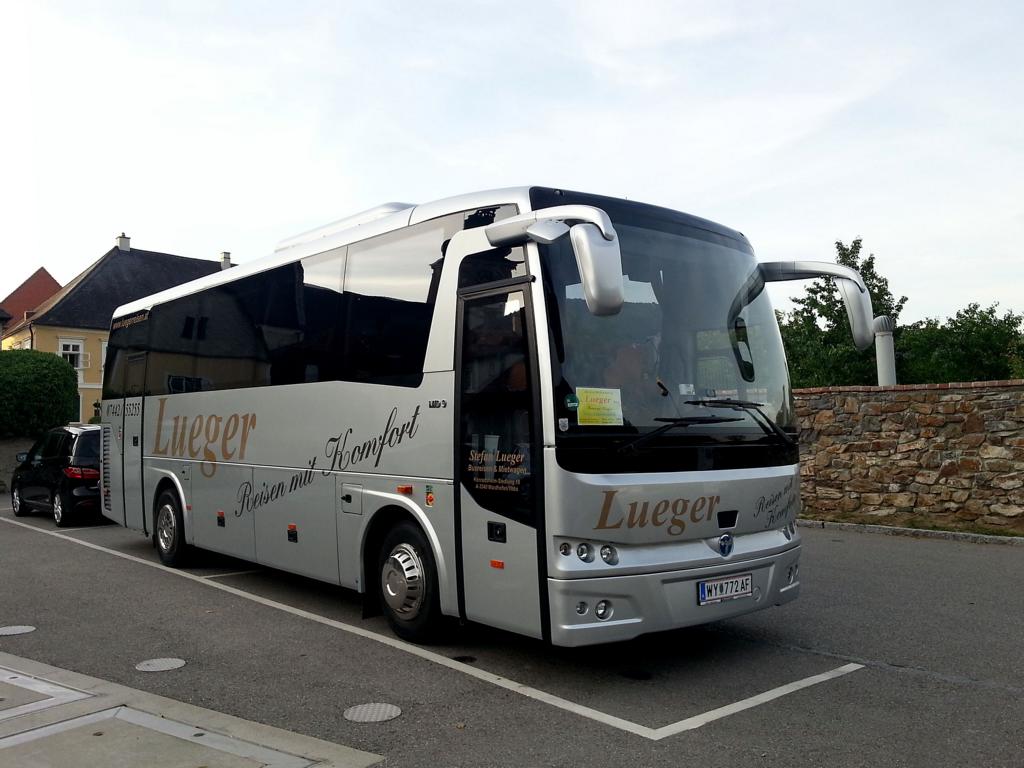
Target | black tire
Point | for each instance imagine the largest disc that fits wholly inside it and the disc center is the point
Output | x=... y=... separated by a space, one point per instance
x=169 y=530
x=63 y=509
x=407 y=583
x=18 y=503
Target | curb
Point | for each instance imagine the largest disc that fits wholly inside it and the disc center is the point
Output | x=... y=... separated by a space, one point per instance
x=53 y=711
x=917 y=533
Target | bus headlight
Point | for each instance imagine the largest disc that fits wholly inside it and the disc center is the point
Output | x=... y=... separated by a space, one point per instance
x=585 y=552
x=565 y=548
x=603 y=610
x=609 y=555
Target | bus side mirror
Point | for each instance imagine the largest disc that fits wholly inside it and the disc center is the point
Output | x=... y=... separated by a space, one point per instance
x=594 y=243
x=600 y=265
x=851 y=288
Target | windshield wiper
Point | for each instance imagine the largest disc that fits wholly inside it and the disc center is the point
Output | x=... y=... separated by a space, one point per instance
x=767 y=425
x=676 y=421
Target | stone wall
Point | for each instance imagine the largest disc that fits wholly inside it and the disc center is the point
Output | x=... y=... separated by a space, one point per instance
x=929 y=455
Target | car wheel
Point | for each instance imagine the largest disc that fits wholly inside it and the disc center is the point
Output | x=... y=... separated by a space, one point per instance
x=169 y=530
x=408 y=584
x=61 y=509
x=19 y=507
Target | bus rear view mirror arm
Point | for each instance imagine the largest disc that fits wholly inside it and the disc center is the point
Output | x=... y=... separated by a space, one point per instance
x=594 y=243
x=851 y=288
x=519 y=229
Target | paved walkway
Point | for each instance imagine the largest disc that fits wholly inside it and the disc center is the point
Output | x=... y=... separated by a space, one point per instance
x=51 y=718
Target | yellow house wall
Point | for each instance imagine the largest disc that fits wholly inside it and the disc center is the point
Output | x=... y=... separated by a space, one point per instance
x=47 y=338
x=15 y=340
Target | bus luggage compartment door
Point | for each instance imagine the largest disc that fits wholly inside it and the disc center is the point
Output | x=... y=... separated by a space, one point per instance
x=222 y=520
x=295 y=522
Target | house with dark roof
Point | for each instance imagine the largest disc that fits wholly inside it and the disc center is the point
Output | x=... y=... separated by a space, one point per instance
x=27 y=296
x=75 y=321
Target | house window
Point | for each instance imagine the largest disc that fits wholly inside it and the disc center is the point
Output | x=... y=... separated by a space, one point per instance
x=103 y=353
x=71 y=350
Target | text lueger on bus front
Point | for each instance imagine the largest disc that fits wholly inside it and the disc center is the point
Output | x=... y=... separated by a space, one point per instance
x=664 y=512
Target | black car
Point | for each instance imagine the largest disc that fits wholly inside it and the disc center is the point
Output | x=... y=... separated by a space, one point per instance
x=60 y=474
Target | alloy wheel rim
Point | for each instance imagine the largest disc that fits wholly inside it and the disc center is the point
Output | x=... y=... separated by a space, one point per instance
x=401 y=581
x=16 y=500
x=58 y=508
x=165 y=527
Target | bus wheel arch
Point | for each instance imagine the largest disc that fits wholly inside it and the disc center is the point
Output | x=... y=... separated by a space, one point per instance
x=169 y=524
x=400 y=575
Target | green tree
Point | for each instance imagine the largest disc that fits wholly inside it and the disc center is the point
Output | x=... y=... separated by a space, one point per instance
x=817 y=337
x=974 y=345
x=38 y=390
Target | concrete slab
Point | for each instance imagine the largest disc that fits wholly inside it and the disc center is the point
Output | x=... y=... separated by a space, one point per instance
x=13 y=696
x=60 y=718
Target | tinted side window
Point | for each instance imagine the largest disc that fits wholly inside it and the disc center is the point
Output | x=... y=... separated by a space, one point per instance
x=497 y=411
x=282 y=326
x=492 y=266
x=53 y=443
x=87 y=446
x=391 y=285
x=128 y=336
x=357 y=313
x=236 y=319
x=171 y=363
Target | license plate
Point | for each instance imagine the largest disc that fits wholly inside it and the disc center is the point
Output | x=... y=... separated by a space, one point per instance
x=725 y=588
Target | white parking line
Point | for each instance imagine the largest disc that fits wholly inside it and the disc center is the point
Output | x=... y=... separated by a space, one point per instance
x=654 y=734
x=232 y=573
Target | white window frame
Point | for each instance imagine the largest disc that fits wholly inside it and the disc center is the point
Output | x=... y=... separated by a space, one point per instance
x=73 y=342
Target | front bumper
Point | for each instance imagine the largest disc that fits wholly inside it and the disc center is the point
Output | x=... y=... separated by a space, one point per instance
x=655 y=602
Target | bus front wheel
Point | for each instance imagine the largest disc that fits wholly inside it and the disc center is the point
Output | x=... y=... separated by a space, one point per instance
x=169 y=530
x=408 y=584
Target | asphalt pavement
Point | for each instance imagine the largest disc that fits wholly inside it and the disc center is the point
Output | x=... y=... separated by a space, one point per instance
x=899 y=652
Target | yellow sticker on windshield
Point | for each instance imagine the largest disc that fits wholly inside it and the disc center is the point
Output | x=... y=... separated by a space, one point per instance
x=599 y=407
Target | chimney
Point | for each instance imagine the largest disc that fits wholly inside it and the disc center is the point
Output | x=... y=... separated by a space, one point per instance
x=123 y=242
x=225 y=260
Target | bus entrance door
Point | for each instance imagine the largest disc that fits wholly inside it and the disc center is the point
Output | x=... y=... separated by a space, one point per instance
x=497 y=488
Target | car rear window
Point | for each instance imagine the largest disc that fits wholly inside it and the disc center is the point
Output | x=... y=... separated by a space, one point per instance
x=88 y=445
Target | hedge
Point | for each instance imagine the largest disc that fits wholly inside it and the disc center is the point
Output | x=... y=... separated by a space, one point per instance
x=38 y=390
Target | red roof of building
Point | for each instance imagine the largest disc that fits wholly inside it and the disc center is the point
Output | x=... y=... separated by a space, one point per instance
x=30 y=294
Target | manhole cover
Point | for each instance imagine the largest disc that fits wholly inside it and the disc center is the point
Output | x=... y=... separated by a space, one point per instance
x=159 y=665
x=372 y=713
x=17 y=630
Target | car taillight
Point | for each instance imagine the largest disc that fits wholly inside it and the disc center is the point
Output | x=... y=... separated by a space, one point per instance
x=82 y=473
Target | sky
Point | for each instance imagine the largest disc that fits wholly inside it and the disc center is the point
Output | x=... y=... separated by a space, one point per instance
x=201 y=127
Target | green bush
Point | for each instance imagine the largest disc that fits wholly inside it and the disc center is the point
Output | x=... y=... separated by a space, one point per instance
x=38 y=390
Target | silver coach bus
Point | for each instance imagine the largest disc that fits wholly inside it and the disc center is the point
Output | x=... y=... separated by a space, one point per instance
x=564 y=415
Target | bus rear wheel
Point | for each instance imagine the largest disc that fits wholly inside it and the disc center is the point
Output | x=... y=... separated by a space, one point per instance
x=169 y=530
x=408 y=584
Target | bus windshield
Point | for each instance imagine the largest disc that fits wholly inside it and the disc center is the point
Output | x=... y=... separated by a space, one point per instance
x=692 y=329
